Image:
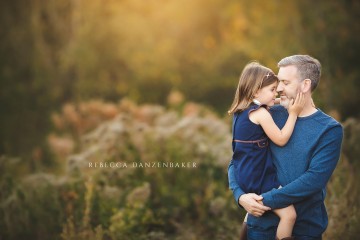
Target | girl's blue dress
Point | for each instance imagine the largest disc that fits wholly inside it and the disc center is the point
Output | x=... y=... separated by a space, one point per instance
x=253 y=165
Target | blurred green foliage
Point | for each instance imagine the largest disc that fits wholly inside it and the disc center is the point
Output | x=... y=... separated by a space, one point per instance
x=123 y=202
x=69 y=51
x=83 y=202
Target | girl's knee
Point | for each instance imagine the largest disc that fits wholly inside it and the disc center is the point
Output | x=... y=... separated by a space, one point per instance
x=288 y=214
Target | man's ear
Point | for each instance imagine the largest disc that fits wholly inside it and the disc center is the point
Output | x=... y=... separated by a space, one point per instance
x=306 y=85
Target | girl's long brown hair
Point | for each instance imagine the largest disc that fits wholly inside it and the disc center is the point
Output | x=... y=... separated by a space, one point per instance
x=253 y=77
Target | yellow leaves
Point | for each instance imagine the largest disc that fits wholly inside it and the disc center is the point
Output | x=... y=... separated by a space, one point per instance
x=83 y=116
x=61 y=146
x=217 y=206
x=240 y=23
x=71 y=115
x=134 y=216
x=175 y=98
x=209 y=42
x=139 y=196
x=89 y=185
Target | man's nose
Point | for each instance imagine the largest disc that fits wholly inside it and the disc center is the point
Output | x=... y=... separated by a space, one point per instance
x=279 y=88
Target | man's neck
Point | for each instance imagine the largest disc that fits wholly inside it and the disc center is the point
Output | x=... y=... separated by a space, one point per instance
x=308 y=109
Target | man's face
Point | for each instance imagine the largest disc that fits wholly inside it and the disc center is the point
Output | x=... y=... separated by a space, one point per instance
x=289 y=84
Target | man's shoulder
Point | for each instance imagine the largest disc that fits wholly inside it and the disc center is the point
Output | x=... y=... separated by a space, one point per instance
x=276 y=109
x=327 y=126
x=326 y=120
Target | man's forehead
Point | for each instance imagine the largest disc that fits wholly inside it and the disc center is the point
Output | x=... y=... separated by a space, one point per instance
x=287 y=72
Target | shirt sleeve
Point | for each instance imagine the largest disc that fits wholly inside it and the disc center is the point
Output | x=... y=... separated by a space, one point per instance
x=233 y=185
x=322 y=165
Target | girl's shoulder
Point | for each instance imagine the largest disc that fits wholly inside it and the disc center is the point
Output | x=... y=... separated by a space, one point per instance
x=245 y=114
x=258 y=113
x=260 y=107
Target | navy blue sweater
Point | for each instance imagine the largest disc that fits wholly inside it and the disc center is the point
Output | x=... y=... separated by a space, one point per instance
x=304 y=166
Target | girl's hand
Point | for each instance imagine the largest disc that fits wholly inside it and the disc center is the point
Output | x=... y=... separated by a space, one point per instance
x=297 y=106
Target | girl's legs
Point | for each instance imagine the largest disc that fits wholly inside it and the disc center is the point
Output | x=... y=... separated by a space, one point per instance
x=287 y=221
x=243 y=233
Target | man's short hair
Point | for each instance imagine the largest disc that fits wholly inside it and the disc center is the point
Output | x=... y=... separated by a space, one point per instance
x=307 y=68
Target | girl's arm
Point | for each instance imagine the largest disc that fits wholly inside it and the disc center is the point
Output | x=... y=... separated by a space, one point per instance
x=279 y=137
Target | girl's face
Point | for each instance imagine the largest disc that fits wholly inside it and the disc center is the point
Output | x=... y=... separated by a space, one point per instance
x=267 y=95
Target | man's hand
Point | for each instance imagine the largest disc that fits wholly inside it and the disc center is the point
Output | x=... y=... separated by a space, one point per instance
x=252 y=203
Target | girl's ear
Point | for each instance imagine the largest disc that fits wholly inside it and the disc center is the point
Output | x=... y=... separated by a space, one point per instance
x=306 y=85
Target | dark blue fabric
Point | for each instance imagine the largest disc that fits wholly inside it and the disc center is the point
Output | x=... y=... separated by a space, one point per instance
x=255 y=233
x=253 y=166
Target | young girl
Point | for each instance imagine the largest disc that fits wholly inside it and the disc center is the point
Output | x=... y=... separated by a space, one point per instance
x=253 y=126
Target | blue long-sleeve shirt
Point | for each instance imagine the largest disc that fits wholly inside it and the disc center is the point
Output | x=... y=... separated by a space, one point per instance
x=304 y=166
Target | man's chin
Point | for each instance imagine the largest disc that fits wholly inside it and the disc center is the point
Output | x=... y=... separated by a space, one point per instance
x=284 y=103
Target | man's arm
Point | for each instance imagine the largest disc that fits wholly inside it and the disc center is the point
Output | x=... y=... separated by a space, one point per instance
x=322 y=165
x=233 y=185
x=248 y=201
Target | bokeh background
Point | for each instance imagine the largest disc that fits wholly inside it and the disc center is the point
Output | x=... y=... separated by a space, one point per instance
x=151 y=81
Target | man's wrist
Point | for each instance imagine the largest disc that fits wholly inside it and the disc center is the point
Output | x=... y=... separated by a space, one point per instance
x=237 y=194
x=238 y=202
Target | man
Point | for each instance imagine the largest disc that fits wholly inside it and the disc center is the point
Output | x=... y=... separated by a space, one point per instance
x=304 y=165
